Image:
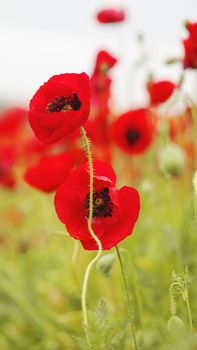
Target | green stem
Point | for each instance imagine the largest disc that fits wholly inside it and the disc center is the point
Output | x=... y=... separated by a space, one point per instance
x=87 y=273
x=73 y=260
x=189 y=313
x=128 y=298
x=186 y=299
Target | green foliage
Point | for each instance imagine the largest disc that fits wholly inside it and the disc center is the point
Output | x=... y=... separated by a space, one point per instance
x=40 y=287
x=102 y=333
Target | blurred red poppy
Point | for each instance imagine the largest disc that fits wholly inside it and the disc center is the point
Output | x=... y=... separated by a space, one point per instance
x=190 y=47
x=12 y=122
x=7 y=161
x=111 y=15
x=160 y=91
x=134 y=131
x=104 y=61
x=115 y=212
x=100 y=88
x=50 y=172
x=60 y=106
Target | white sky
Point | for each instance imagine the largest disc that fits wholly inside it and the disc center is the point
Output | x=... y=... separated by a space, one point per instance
x=39 y=38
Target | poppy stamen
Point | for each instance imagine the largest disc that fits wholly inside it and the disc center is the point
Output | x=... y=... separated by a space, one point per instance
x=64 y=104
x=102 y=204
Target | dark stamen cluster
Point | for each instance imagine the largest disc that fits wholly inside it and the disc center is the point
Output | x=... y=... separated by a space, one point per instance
x=132 y=136
x=102 y=204
x=64 y=104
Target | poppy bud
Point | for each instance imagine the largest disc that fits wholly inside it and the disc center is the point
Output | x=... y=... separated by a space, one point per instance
x=105 y=264
x=174 y=323
x=172 y=160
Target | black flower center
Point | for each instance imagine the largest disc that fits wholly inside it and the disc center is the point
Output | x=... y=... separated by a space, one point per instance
x=132 y=136
x=64 y=104
x=102 y=204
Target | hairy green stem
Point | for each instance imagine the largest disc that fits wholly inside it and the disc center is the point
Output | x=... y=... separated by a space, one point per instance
x=189 y=312
x=87 y=273
x=186 y=299
x=128 y=298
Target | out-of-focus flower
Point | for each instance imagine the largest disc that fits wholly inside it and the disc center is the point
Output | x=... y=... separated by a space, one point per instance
x=160 y=91
x=190 y=46
x=50 y=172
x=100 y=91
x=134 y=131
x=111 y=15
x=97 y=128
x=60 y=106
x=7 y=161
x=114 y=211
x=172 y=160
x=12 y=122
x=98 y=131
x=104 y=62
x=32 y=146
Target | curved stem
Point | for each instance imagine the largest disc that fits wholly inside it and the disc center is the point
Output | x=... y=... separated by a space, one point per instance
x=85 y=281
x=189 y=314
x=128 y=298
x=186 y=299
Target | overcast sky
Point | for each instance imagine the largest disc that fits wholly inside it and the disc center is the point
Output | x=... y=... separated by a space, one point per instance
x=39 y=38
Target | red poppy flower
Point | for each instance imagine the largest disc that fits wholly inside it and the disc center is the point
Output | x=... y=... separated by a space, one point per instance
x=12 y=121
x=60 y=106
x=192 y=29
x=104 y=62
x=111 y=15
x=160 y=91
x=133 y=131
x=50 y=172
x=190 y=47
x=7 y=161
x=115 y=212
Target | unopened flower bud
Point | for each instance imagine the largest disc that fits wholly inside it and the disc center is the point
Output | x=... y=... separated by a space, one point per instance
x=172 y=160
x=105 y=263
x=174 y=323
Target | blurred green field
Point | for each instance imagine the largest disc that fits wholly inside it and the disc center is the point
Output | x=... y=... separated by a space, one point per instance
x=40 y=306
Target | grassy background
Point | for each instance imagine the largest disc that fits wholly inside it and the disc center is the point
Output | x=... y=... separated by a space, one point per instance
x=40 y=306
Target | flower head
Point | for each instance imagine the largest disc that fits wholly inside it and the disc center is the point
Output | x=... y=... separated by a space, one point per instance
x=12 y=122
x=104 y=61
x=111 y=15
x=7 y=162
x=50 y=172
x=114 y=211
x=190 y=46
x=134 y=131
x=60 y=106
x=160 y=91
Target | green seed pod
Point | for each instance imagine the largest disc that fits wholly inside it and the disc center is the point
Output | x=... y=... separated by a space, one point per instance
x=174 y=323
x=172 y=160
x=105 y=264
